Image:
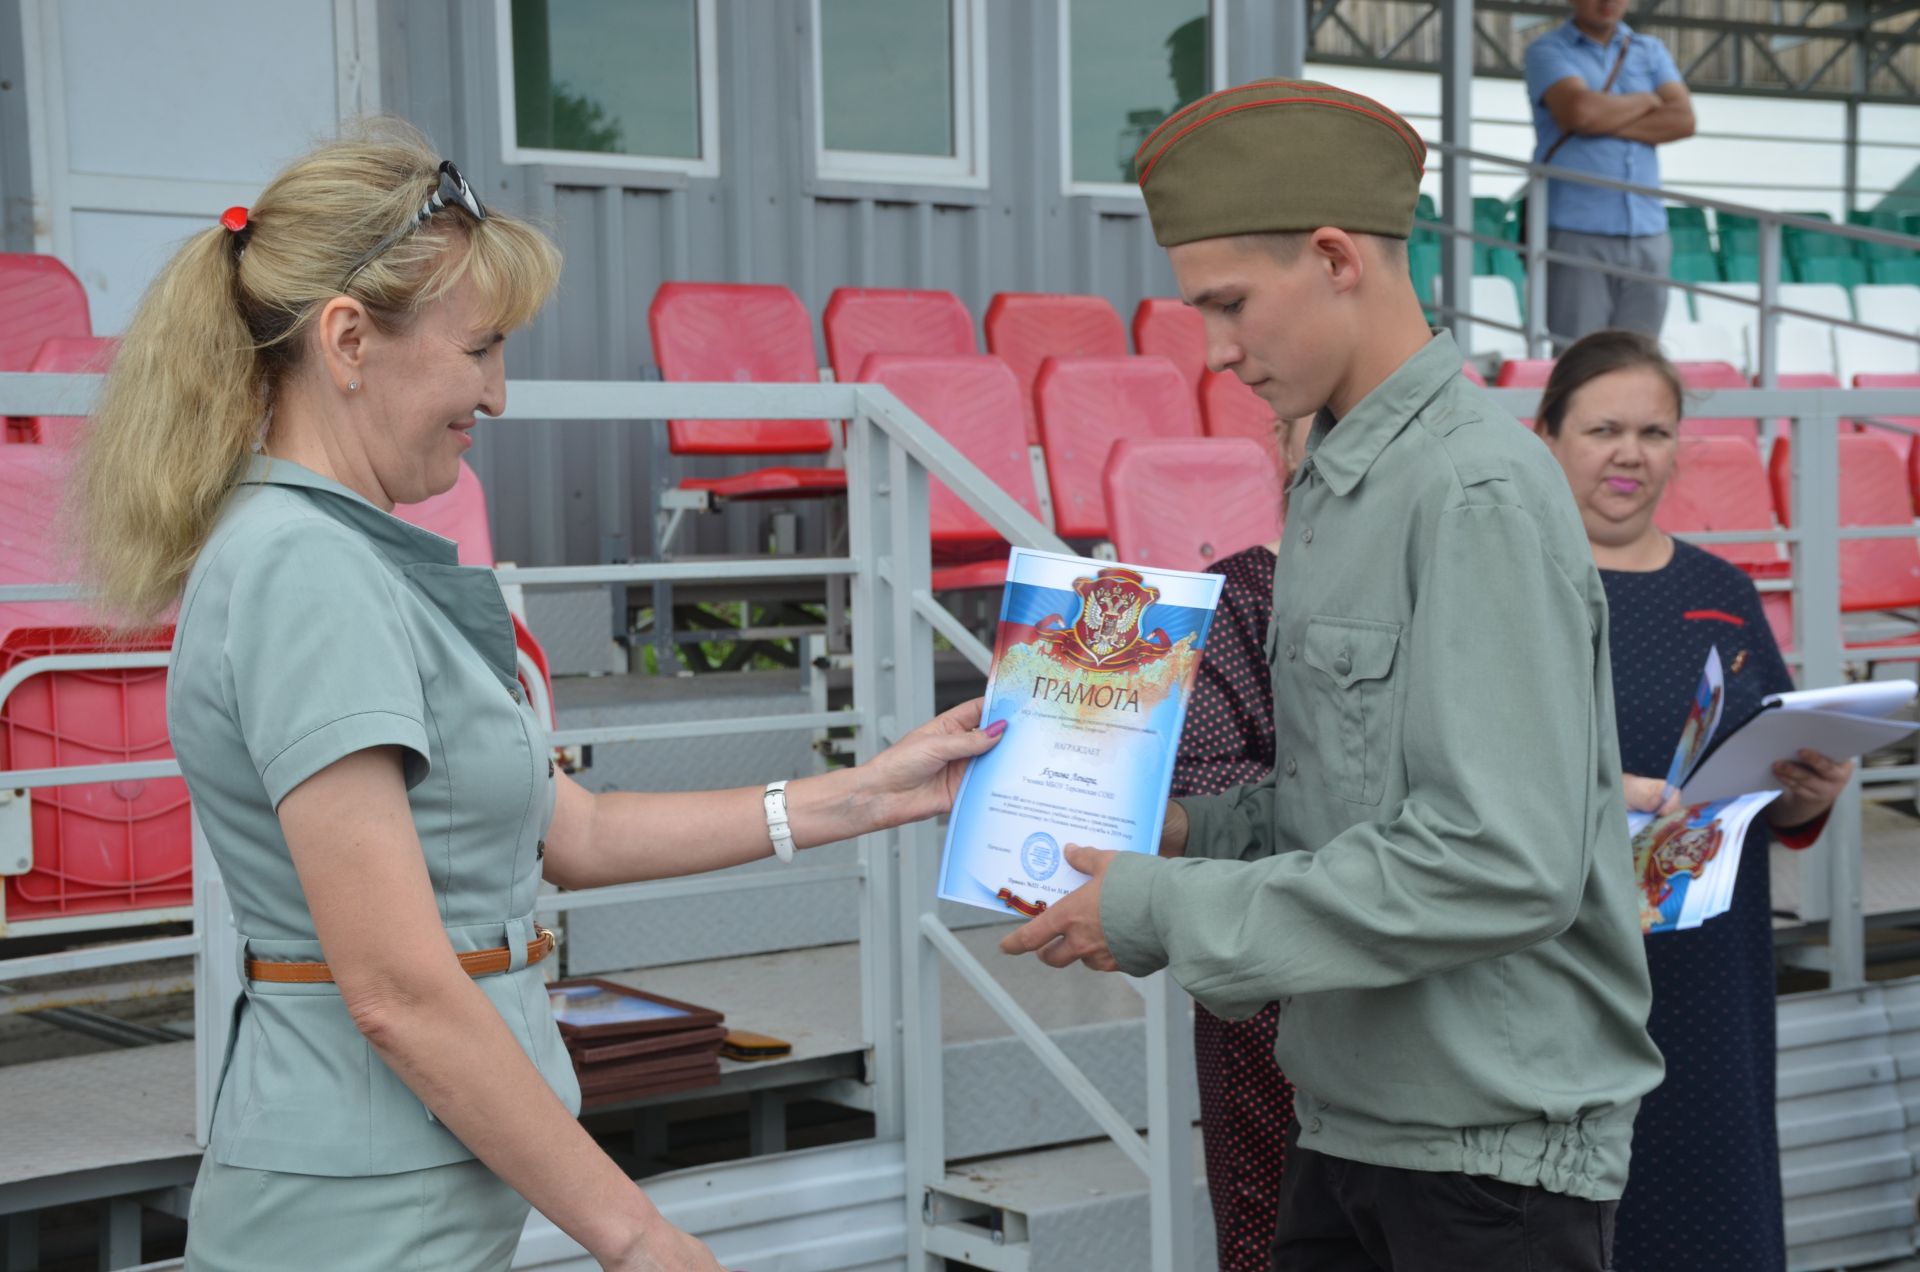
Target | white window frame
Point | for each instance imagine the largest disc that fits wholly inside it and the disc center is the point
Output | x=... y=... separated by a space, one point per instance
x=1216 y=80
x=967 y=166
x=707 y=57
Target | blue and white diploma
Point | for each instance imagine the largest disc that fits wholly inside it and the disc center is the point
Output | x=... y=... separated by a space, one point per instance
x=1092 y=667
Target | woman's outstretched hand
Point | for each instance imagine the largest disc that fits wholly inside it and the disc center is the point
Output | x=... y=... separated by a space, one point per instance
x=917 y=776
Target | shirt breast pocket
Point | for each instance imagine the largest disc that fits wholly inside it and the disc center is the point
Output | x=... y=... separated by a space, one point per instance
x=1352 y=700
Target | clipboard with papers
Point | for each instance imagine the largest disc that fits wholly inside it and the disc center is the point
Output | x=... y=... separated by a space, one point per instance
x=1844 y=721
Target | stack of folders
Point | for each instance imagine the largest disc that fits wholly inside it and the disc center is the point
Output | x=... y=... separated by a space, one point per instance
x=626 y=1043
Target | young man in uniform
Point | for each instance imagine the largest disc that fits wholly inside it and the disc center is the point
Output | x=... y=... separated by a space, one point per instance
x=1435 y=881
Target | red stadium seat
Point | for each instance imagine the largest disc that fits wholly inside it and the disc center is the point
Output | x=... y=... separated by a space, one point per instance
x=1088 y=404
x=1875 y=574
x=1473 y=373
x=1229 y=408
x=1524 y=373
x=39 y=297
x=1804 y=380
x=1720 y=485
x=100 y=849
x=1901 y=439
x=1027 y=328
x=1184 y=504
x=460 y=514
x=68 y=354
x=861 y=321
x=1705 y=377
x=1173 y=330
x=973 y=401
x=735 y=333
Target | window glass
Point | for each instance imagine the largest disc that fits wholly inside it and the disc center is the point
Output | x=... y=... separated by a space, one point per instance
x=1133 y=63
x=610 y=76
x=886 y=76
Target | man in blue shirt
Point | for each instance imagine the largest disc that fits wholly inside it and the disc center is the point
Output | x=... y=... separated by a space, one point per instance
x=1603 y=97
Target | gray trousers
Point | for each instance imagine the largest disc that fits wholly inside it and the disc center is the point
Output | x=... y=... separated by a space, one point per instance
x=1584 y=300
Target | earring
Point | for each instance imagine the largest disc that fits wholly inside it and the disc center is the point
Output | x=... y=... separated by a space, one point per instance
x=352 y=385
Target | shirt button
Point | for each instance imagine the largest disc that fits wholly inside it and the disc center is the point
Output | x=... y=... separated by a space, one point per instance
x=1290 y=653
x=1292 y=767
x=1342 y=663
x=540 y=850
x=513 y=691
x=1307 y=534
x=549 y=766
x=1314 y=1126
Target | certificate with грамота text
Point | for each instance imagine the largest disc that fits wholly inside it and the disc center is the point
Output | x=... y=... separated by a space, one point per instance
x=1093 y=663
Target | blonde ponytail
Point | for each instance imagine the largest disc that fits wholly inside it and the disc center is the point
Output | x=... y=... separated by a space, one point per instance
x=218 y=331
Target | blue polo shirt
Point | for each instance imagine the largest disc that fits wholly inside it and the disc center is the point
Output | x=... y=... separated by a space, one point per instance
x=1569 y=52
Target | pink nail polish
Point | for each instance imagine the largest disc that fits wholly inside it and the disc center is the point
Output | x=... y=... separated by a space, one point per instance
x=995 y=729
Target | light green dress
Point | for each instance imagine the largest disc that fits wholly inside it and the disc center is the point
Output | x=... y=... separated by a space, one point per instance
x=315 y=625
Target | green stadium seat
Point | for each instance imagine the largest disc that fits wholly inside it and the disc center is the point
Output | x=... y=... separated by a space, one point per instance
x=1423 y=262
x=1489 y=211
x=1739 y=241
x=1848 y=271
x=1814 y=216
x=1684 y=216
x=1690 y=240
x=1805 y=244
x=1740 y=269
x=1896 y=271
x=1425 y=209
x=1695 y=267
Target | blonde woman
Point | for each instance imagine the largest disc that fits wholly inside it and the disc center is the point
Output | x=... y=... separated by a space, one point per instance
x=343 y=702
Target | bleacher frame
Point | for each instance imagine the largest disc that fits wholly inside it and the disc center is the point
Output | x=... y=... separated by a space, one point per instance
x=904 y=945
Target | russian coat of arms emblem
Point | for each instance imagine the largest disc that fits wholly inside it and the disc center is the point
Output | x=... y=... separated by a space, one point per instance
x=1106 y=635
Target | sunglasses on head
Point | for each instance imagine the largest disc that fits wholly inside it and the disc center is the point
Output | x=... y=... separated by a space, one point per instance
x=453 y=191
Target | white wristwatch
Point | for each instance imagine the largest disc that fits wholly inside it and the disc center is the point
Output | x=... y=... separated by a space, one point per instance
x=777 y=830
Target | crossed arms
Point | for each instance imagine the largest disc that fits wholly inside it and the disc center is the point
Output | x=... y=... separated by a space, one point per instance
x=1664 y=115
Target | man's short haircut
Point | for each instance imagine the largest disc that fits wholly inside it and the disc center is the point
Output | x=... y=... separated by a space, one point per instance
x=1286 y=247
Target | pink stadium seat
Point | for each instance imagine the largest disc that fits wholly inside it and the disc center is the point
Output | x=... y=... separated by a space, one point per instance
x=68 y=354
x=1705 y=377
x=1184 y=504
x=973 y=401
x=866 y=320
x=100 y=848
x=1088 y=404
x=1229 y=408
x=39 y=297
x=734 y=333
x=1472 y=373
x=1875 y=574
x=1027 y=328
x=1524 y=373
x=1804 y=380
x=1902 y=441
x=1720 y=485
x=1173 y=330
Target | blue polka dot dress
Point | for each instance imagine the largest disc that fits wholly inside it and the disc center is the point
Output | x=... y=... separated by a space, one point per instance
x=1703 y=1191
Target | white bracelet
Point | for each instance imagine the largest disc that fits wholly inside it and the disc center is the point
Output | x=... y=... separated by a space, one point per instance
x=776 y=802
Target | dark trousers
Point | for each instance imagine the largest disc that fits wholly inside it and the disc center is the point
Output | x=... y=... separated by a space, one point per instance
x=1344 y=1216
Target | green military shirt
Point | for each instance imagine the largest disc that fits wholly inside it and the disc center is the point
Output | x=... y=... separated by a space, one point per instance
x=314 y=625
x=1435 y=881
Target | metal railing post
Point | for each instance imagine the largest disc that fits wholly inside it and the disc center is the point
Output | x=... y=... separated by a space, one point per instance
x=1170 y=1112
x=868 y=528
x=923 y=1052
x=1766 y=358
x=1456 y=175
x=1538 y=343
x=1829 y=873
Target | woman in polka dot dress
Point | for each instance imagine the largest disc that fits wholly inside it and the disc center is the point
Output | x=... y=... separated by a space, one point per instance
x=1703 y=1192
x=1245 y=1101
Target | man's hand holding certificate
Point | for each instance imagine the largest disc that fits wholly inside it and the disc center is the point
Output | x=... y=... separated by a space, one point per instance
x=1092 y=667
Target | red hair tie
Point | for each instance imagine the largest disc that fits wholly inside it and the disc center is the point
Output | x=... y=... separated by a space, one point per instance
x=234 y=218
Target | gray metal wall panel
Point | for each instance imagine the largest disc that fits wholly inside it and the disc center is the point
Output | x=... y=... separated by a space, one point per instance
x=582 y=492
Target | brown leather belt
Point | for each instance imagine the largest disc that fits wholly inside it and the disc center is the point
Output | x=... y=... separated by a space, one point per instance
x=473 y=963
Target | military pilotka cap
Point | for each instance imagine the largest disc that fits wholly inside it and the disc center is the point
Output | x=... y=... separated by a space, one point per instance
x=1279 y=156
